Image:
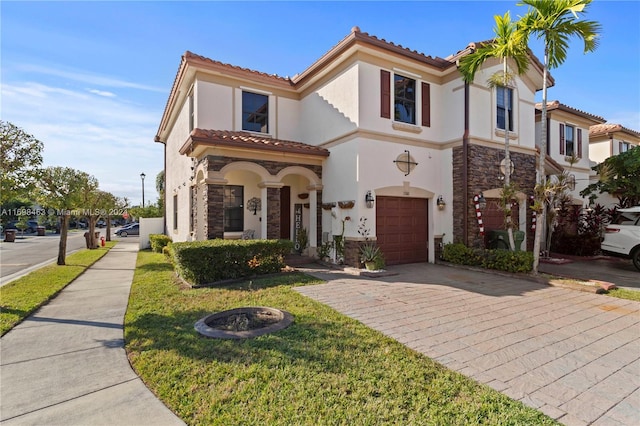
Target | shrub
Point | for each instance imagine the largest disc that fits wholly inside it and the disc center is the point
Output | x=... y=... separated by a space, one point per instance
x=578 y=245
x=502 y=260
x=204 y=262
x=158 y=242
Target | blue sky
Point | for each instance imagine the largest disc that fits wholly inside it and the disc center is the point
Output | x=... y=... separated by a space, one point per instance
x=91 y=79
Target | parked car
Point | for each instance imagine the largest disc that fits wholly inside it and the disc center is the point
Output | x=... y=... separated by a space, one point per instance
x=623 y=239
x=31 y=226
x=129 y=230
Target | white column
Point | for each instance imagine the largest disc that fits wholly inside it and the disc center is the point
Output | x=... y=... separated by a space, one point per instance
x=313 y=220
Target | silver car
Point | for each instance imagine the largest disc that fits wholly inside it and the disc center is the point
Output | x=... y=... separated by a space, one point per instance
x=129 y=230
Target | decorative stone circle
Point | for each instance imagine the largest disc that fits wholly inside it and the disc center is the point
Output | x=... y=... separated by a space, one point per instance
x=243 y=323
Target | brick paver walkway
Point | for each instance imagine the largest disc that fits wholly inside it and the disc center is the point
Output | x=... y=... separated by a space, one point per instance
x=573 y=355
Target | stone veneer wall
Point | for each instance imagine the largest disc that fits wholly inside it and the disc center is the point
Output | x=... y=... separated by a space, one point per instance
x=483 y=174
x=214 y=203
x=273 y=213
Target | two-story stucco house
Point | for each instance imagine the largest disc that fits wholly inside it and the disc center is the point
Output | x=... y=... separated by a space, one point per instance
x=607 y=140
x=370 y=130
x=568 y=143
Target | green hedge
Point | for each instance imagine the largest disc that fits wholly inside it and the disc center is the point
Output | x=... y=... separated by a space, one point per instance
x=206 y=262
x=502 y=260
x=158 y=242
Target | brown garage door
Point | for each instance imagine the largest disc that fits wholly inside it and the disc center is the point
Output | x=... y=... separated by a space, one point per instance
x=401 y=228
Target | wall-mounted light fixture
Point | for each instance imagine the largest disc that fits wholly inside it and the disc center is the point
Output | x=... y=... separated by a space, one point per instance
x=482 y=202
x=440 y=203
x=369 y=200
x=254 y=204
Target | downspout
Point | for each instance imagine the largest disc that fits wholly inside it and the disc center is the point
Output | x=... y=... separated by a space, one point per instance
x=465 y=165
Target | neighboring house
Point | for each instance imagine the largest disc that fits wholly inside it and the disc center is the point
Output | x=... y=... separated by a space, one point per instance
x=252 y=154
x=607 y=140
x=568 y=140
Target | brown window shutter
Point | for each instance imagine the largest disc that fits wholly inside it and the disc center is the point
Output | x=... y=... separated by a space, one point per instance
x=385 y=94
x=561 y=139
x=426 y=104
x=579 y=143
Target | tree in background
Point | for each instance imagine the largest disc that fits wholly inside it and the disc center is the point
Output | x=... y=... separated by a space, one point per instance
x=160 y=189
x=509 y=45
x=62 y=188
x=20 y=161
x=555 y=22
x=620 y=177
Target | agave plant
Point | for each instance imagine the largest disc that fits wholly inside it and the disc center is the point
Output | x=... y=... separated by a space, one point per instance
x=369 y=252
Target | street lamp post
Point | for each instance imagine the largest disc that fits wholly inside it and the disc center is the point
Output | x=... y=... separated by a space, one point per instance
x=142 y=176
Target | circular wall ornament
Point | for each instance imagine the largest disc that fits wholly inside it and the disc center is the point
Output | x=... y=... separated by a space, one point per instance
x=405 y=163
x=503 y=167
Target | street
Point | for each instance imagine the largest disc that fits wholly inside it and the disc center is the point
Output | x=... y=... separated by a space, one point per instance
x=30 y=251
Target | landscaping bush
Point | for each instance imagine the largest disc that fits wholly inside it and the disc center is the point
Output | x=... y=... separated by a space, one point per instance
x=205 y=262
x=158 y=242
x=502 y=260
x=578 y=245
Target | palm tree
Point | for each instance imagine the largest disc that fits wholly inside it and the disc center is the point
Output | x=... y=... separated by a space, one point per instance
x=556 y=22
x=509 y=44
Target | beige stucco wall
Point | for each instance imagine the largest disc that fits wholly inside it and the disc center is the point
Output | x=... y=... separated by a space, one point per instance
x=213 y=106
x=331 y=110
x=178 y=175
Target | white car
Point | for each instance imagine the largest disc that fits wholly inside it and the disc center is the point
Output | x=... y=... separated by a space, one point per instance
x=624 y=239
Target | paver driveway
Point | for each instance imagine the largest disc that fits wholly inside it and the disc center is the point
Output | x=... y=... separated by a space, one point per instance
x=573 y=355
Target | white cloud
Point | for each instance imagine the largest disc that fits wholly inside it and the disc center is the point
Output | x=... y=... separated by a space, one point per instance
x=86 y=77
x=102 y=93
x=105 y=136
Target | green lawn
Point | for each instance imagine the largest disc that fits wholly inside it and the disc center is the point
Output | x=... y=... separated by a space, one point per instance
x=325 y=368
x=23 y=296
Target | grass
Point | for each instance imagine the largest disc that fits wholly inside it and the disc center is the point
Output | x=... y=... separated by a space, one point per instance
x=21 y=297
x=325 y=368
x=623 y=293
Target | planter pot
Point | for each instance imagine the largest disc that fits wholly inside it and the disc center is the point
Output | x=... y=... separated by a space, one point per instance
x=346 y=204
x=370 y=266
x=328 y=206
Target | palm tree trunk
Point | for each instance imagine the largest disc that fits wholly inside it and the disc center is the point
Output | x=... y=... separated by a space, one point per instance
x=507 y=156
x=541 y=220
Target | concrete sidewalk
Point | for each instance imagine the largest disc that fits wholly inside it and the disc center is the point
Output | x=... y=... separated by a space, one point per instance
x=66 y=364
x=573 y=355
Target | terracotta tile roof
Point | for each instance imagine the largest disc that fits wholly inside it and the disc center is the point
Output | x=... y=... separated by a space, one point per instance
x=357 y=36
x=553 y=105
x=200 y=60
x=603 y=129
x=248 y=140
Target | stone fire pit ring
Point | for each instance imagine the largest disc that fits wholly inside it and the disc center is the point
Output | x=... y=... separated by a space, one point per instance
x=243 y=323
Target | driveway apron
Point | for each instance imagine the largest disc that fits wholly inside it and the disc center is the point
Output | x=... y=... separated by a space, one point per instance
x=573 y=355
x=66 y=363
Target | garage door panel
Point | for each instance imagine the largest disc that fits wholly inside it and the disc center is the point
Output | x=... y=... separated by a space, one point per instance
x=402 y=229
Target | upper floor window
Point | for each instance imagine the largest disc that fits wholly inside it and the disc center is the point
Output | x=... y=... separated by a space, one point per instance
x=404 y=99
x=624 y=146
x=255 y=112
x=233 y=212
x=502 y=111
x=191 y=113
x=570 y=141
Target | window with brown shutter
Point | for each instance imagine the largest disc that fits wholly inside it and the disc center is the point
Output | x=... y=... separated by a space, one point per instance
x=579 y=143
x=385 y=94
x=426 y=104
x=561 y=139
